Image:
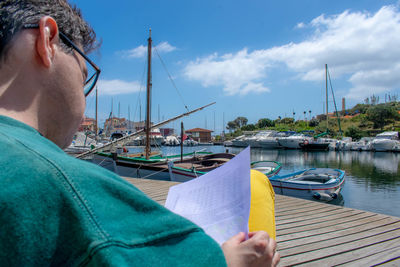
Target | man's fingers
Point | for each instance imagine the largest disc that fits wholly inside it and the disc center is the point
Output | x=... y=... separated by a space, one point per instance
x=236 y=239
x=276 y=259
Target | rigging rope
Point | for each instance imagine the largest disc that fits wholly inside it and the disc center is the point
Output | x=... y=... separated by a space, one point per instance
x=172 y=81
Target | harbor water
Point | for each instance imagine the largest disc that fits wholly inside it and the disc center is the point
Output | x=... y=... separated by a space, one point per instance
x=372 y=178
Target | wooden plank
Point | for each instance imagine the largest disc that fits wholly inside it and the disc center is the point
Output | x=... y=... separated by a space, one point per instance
x=351 y=225
x=395 y=262
x=301 y=213
x=373 y=251
x=342 y=239
x=336 y=218
x=283 y=205
x=325 y=216
x=327 y=224
x=316 y=217
x=302 y=209
x=341 y=253
x=384 y=257
x=368 y=227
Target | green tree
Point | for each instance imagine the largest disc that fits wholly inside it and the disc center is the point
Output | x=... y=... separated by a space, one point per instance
x=241 y=121
x=262 y=123
x=381 y=115
x=313 y=122
x=287 y=120
x=232 y=125
x=248 y=127
x=354 y=132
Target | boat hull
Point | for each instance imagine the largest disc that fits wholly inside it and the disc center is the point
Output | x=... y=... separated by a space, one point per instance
x=269 y=144
x=132 y=169
x=383 y=145
x=155 y=168
x=283 y=185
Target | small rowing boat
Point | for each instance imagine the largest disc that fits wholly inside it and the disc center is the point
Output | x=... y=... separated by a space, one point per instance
x=269 y=168
x=316 y=183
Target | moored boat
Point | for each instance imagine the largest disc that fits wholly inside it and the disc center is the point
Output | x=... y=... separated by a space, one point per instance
x=385 y=141
x=186 y=171
x=314 y=146
x=364 y=144
x=316 y=183
x=183 y=172
x=293 y=141
x=269 y=168
x=136 y=166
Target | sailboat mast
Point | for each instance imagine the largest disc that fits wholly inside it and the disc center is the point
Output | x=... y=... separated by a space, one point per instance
x=326 y=89
x=96 y=127
x=148 y=118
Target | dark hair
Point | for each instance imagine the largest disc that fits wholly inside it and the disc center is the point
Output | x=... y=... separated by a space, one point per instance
x=16 y=13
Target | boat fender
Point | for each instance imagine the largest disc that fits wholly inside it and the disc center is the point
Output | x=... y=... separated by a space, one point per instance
x=325 y=197
x=316 y=195
x=305 y=142
x=333 y=195
x=125 y=150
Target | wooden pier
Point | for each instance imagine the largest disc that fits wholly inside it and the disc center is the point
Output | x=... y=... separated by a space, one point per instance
x=311 y=233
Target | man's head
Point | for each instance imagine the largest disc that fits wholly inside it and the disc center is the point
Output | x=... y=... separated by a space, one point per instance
x=41 y=74
x=14 y=14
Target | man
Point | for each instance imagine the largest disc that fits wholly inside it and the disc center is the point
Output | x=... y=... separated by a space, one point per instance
x=55 y=209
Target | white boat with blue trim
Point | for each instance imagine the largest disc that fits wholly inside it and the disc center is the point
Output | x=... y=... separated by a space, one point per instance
x=316 y=183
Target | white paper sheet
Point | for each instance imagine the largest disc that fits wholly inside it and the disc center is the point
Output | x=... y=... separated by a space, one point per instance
x=218 y=201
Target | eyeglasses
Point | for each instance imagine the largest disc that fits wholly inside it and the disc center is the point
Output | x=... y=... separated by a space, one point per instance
x=93 y=70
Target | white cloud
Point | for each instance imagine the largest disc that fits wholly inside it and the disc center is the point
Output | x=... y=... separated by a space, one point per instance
x=359 y=45
x=300 y=25
x=141 y=51
x=117 y=87
x=165 y=47
x=137 y=52
x=237 y=73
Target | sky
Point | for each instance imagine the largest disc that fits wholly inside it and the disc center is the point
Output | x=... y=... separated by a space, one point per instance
x=254 y=58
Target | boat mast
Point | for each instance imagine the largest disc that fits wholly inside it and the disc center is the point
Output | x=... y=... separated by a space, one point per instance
x=148 y=118
x=326 y=89
x=96 y=129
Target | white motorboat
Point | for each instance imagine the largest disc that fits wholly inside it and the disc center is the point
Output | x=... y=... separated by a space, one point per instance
x=385 y=141
x=363 y=145
x=294 y=141
x=190 y=142
x=270 y=141
x=172 y=140
x=239 y=141
x=263 y=139
x=345 y=144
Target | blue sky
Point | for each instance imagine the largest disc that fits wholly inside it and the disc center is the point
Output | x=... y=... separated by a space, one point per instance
x=255 y=58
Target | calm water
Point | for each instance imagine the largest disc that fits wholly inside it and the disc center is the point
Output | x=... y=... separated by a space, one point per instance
x=372 y=179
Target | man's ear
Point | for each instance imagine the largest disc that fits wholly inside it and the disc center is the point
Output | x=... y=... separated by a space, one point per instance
x=47 y=40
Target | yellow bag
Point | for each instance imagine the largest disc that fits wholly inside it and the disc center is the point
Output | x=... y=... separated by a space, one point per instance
x=262 y=205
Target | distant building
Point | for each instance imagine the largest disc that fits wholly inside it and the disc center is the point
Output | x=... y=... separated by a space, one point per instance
x=200 y=135
x=139 y=125
x=87 y=125
x=115 y=125
x=166 y=131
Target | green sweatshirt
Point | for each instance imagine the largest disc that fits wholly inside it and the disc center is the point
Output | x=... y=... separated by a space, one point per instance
x=58 y=210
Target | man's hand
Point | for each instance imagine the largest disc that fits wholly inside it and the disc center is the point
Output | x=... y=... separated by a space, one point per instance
x=258 y=250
